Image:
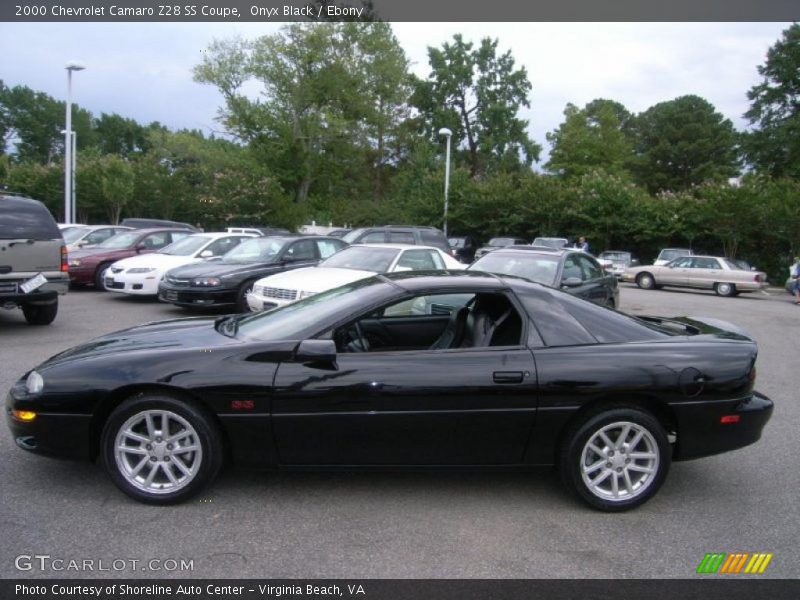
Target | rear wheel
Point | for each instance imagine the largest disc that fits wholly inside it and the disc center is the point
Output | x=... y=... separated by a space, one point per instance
x=615 y=459
x=725 y=289
x=160 y=450
x=40 y=314
x=645 y=281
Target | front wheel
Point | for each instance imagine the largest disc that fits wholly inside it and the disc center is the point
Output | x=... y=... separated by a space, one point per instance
x=241 y=297
x=616 y=459
x=160 y=450
x=645 y=281
x=725 y=289
x=100 y=277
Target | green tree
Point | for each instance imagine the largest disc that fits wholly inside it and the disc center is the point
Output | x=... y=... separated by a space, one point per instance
x=114 y=134
x=682 y=143
x=592 y=138
x=774 y=145
x=477 y=94
x=330 y=93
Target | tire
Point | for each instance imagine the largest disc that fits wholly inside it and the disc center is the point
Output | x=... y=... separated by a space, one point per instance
x=99 y=276
x=40 y=314
x=241 y=297
x=149 y=471
x=645 y=281
x=725 y=289
x=627 y=483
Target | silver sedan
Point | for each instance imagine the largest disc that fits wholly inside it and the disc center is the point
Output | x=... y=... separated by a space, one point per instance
x=722 y=275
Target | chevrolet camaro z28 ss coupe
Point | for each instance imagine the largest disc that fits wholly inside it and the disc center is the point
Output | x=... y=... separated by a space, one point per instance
x=417 y=369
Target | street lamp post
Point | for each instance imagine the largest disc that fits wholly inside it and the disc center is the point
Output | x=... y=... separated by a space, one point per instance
x=448 y=134
x=69 y=209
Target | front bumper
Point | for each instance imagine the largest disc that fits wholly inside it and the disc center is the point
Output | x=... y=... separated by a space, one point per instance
x=145 y=284
x=701 y=432
x=51 y=434
x=199 y=297
x=257 y=302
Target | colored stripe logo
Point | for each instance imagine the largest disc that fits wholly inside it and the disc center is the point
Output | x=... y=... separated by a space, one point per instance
x=734 y=563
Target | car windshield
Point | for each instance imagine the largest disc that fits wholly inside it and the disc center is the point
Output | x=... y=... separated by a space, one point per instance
x=673 y=253
x=187 y=246
x=550 y=242
x=298 y=319
x=352 y=236
x=362 y=258
x=536 y=267
x=255 y=250
x=121 y=240
x=737 y=264
x=73 y=234
x=500 y=242
x=616 y=256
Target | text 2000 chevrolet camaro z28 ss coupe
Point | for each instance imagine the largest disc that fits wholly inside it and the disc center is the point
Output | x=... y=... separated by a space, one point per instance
x=423 y=369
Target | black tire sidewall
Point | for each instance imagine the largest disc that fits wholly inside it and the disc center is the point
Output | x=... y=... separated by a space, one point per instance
x=241 y=296
x=40 y=314
x=207 y=433
x=569 y=460
x=99 y=277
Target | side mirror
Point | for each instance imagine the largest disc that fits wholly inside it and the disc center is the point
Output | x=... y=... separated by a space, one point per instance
x=571 y=282
x=316 y=351
x=206 y=254
x=140 y=247
x=81 y=243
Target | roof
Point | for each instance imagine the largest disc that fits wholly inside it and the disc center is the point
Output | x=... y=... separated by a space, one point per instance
x=221 y=234
x=395 y=246
x=479 y=280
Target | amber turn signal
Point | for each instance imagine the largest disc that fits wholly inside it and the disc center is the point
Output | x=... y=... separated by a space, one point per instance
x=23 y=415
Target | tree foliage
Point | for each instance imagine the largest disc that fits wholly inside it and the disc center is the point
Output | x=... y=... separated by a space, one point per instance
x=477 y=94
x=684 y=142
x=774 y=145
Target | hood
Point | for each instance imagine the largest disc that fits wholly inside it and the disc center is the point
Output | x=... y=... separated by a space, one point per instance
x=218 y=268
x=154 y=260
x=314 y=279
x=176 y=334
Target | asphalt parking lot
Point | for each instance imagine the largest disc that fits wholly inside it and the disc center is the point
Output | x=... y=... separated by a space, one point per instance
x=425 y=525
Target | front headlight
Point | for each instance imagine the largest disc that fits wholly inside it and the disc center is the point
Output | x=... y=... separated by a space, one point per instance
x=75 y=262
x=141 y=270
x=305 y=294
x=206 y=282
x=34 y=383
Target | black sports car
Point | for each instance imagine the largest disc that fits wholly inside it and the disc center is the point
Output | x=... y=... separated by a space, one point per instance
x=227 y=282
x=572 y=270
x=514 y=374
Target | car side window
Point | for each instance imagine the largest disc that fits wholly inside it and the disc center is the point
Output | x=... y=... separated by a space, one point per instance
x=417 y=260
x=401 y=237
x=156 y=240
x=301 y=250
x=374 y=237
x=328 y=247
x=224 y=245
x=101 y=235
x=683 y=263
x=705 y=263
x=572 y=268
x=435 y=322
x=591 y=270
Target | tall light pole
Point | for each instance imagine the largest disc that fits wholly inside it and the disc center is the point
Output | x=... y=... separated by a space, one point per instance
x=448 y=134
x=68 y=160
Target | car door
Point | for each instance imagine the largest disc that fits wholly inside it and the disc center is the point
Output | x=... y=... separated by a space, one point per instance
x=705 y=272
x=300 y=253
x=675 y=273
x=595 y=284
x=461 y=406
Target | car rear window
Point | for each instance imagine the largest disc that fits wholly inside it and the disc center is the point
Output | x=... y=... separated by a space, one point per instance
x=26 y=220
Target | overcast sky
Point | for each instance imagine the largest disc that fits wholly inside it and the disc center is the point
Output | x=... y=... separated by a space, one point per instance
x=144 y=71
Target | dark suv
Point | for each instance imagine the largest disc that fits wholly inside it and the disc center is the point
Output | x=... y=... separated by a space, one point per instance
x=399 y=234
x=33 y=259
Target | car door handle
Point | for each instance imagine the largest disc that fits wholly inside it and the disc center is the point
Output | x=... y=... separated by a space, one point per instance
x=507 y=376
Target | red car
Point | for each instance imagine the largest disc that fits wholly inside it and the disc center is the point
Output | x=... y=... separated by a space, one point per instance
x=88 y=265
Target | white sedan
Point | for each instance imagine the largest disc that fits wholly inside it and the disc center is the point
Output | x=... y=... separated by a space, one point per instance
x=141 y=274
x=358 y=261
